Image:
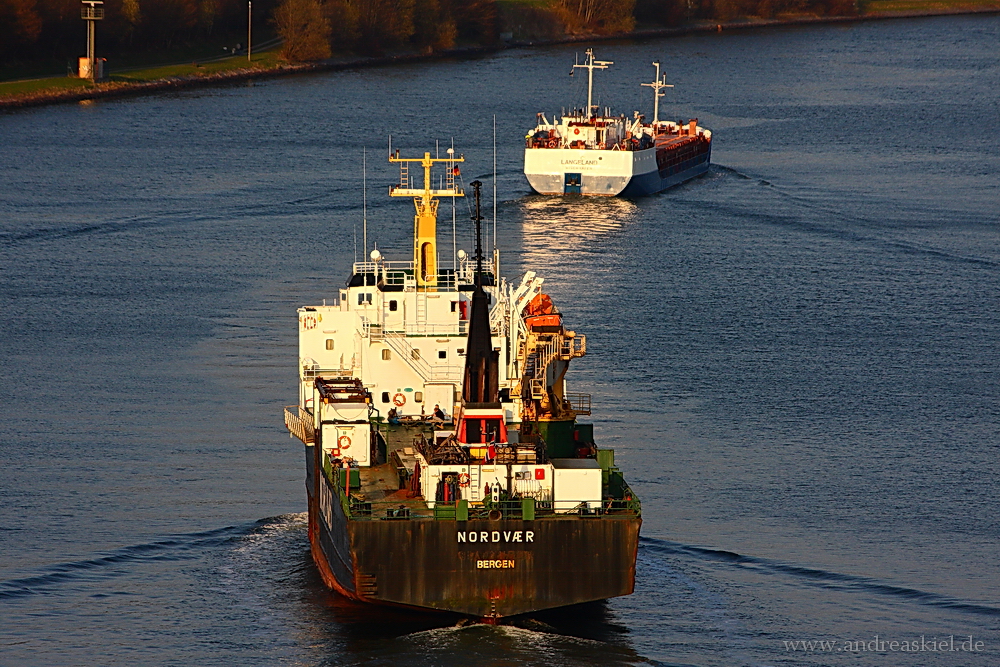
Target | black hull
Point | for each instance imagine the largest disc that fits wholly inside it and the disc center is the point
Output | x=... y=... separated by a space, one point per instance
x=520 y=566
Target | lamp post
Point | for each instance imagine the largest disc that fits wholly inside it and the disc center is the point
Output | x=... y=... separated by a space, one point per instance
x=92 y=11
x=249 y=26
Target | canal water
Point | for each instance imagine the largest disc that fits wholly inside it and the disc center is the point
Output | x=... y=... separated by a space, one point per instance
x=795 y=357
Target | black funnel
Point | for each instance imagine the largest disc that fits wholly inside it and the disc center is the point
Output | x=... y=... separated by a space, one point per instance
x=481 y=384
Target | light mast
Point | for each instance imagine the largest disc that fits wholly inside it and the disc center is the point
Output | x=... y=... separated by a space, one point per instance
x=426 y=204
x=657 y=85
x=590 y=66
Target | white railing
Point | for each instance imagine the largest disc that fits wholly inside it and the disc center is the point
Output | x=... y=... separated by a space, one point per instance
x=311 y=369
x=413 y=357
x=401 y=272
x=377 y=331
x=371 y=330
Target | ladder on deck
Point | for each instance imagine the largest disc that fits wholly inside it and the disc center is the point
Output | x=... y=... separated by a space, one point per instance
x=475 y=483
x=421 y=314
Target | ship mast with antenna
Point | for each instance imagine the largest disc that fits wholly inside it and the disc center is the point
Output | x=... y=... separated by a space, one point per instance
x=426 y=203
x=658 y=84
x=590 y=66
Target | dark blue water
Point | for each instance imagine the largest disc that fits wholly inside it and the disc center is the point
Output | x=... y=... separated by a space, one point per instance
x=795 y=357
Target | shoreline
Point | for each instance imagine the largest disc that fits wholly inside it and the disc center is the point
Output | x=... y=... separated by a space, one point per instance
x=118 y=89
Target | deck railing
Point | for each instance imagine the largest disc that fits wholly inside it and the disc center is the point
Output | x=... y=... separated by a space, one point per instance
x=359 y=508
x=401 y=273
x=580 y=403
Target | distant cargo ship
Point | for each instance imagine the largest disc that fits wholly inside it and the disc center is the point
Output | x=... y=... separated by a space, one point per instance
x=589 y=154
x=496 y=501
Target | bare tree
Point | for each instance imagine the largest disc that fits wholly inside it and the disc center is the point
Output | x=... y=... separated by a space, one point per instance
x=305 y=29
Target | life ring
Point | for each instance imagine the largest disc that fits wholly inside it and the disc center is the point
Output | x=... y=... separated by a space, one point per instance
x=309 y=322
x=553 y=143
x=399 y=400
x=576 y=131
x=463 y=479
x=344 y=442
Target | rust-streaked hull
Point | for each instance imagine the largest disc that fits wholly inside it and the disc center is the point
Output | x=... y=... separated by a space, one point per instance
x=422 y=564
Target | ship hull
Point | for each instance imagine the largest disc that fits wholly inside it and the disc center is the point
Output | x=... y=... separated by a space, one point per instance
x=558 y=171
x=480 y=568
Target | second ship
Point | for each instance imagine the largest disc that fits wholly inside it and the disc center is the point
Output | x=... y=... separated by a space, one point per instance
x=585 y=153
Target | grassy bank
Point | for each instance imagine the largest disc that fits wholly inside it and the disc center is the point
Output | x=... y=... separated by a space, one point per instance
x=27 y=92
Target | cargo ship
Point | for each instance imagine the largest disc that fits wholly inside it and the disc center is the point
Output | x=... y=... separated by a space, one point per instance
x=587 y=153
x=446 y=468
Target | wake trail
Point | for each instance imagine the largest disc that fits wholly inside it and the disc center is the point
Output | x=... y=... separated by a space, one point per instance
x=177 y=547
x=817 y=577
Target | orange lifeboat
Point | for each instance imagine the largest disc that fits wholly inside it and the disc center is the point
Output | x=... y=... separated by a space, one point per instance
x=540 y=312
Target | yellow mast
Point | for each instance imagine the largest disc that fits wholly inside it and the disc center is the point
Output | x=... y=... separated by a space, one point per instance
x=425 y=220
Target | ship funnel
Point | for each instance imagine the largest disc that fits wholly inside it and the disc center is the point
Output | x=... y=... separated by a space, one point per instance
x=480 y=387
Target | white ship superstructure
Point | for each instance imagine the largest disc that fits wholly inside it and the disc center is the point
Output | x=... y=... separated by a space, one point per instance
x=590 y=154
x=401 y=326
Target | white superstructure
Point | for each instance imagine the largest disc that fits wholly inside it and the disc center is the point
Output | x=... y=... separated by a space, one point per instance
x=407 y=343
x=401 y=326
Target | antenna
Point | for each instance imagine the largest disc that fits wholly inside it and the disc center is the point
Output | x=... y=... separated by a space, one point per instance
x=657 y=94
x=494 y=182
x=478 y=219
x=590 y=66
x=364 y=193
x=454 y=229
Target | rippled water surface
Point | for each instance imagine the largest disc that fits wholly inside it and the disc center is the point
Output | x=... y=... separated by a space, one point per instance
x=795 y=357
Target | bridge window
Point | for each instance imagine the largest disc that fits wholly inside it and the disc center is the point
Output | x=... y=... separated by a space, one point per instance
x=393 y=305
x=415 y=353
x=442 y=354
x=329 y=343
x=386 y=355
x=385 y=397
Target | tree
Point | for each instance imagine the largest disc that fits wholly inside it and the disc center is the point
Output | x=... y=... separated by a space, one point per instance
x=433 y=26
x=477 y=20
x=133 y=17
x=19 y=24
x=603 y=16
x=384 y=23
x=305 y=29
x=343 y=17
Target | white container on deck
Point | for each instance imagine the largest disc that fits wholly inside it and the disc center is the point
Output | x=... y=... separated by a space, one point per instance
x=576 y=481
